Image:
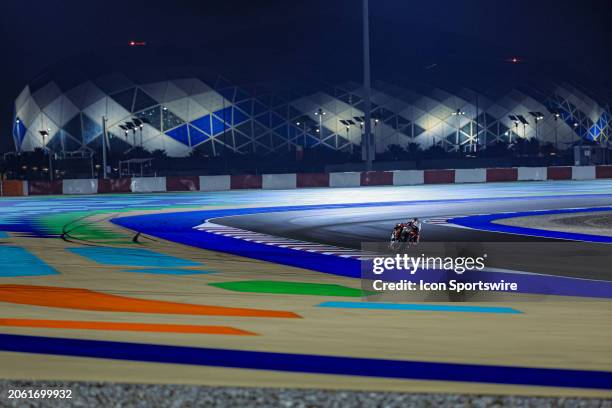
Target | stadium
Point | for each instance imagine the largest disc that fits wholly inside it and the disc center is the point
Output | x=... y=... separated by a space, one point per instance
x=182 y=112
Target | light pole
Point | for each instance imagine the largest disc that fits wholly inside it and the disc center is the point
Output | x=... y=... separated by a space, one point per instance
x=320 y=112
x=537 y=117
x=556 y=130
x=574 y=134
x=104 y=119
x=44 y=134
x=516 y=120
x=458 y=113
x=18 y=142
x=366 y=85
x=139 y=123
x=133 y=126
x=348 y=123
x=303 y=124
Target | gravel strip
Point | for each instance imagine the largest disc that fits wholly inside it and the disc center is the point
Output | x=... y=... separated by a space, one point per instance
x=87 y=394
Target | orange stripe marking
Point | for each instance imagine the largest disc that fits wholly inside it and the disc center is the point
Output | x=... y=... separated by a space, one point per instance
x=84 y=299
x=120 y=326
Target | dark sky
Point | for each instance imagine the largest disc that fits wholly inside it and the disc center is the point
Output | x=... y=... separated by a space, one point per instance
x=322 y=37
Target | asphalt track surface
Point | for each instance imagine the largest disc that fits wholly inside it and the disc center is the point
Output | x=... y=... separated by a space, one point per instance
x=350 y=227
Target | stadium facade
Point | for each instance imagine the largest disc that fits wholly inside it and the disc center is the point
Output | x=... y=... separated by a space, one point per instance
x=184 y=113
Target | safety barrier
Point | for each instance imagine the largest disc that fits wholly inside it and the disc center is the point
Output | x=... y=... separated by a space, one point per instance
x=80 y=186
x=502 y=175
x=603 y=172
x=38 y=187
x=439 y=176
x=377 y=178
x=245 y=181
x=14 y=188
x=215 y=183
x=312 y=180
x=408 y=177
x=559 y=173
x=471 y=175
x=345 y=179
x=183 y=183
x=278 y=181
x=302 y=180
x=123 y=185
x=532 y=173
x=148 y=184
x=583 y=173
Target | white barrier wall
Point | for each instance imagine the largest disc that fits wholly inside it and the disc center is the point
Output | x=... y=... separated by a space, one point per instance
x=215 y=183
x=344 y=179
x=80 y=186
x=408 y=177
x=470 y=175
x=148 y=184
x=532 y=173
x=278 y=181
x=583 y=172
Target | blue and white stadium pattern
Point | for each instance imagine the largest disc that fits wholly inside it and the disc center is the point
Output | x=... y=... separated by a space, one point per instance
x=186 y=113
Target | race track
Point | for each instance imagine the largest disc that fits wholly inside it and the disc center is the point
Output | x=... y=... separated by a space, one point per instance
x=225 y=288
x=353 y=226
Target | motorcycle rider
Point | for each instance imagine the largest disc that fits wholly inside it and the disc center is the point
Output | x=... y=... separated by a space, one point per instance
x=397 y=232
x=415 y=225
x=402 y=231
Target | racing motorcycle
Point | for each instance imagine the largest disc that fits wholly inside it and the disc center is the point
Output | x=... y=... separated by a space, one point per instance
x=403 y=234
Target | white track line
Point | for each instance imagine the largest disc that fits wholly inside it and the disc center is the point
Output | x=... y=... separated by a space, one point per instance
x=281 y=242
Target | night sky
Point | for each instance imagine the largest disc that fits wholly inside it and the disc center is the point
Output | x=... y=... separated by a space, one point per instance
x=264 y=40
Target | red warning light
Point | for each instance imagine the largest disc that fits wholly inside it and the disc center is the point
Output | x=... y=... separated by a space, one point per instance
x=133 y=43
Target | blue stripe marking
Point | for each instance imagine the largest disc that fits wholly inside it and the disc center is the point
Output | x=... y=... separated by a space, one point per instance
x=16 y=261
x=486 y=223
x=178 y=227
x=3 y=234
x=164 y=271
x=421 y=307
x=130 y=257
x=305 y=363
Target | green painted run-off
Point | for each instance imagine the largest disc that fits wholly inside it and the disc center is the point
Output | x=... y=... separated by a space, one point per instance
x=291 y=288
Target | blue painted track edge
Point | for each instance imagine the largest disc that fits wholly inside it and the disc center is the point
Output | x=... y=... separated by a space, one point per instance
x=486 y=222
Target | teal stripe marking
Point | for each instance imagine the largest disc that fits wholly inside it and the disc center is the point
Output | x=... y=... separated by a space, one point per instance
x=163 y=271
x=16 y=261
x=3 y=234
x=131 y=257
x=421 y=307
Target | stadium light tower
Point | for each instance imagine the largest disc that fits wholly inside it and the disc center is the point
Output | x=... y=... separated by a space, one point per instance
x=104 y=174
x=45 y=133
x=574 y=133
x=516 y=122
x=557 y=115
x=458 y=113
x=303 y=125
x=320 y=112
x=366 y=86
x=537 y=117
